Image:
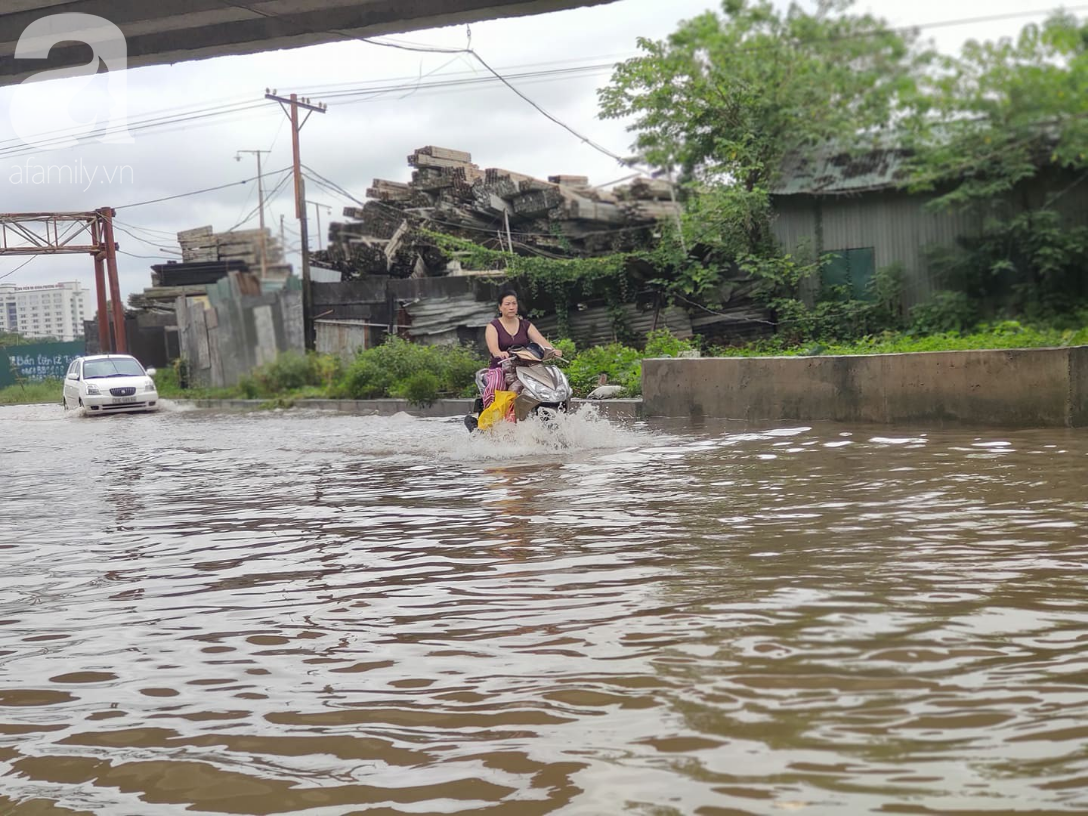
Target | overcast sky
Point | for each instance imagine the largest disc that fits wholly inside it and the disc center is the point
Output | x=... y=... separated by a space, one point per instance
x=367 y=137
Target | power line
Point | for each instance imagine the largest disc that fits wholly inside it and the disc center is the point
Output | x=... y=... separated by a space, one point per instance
x=268 y=200
x=334 y=185
x=63 y=137
x=184 y=115
x=194 y=192
x=554 y=73
x=584 y=139
x=141 y=240
x=141 y=257
x=147 y=230
x=333 y=88
x=31 y=259
x=14 y=147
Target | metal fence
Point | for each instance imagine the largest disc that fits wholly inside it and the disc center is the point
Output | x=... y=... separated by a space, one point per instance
x=237 y=328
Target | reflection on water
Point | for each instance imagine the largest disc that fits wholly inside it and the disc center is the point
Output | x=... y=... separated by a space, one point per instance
x=293 y=612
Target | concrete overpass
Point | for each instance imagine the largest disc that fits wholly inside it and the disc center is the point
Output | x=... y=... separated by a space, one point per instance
x=165 y=31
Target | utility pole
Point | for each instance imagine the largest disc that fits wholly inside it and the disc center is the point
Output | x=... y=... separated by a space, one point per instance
x=293 y=104
x=283 y=236
x=317 y=212
x=260 y=203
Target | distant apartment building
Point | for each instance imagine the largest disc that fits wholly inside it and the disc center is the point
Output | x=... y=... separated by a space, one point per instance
x=50 y=310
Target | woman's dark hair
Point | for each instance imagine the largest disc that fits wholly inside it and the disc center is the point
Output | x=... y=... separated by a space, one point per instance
x=504 y=294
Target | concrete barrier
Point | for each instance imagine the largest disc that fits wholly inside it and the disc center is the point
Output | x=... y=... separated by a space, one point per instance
x=1007 y=388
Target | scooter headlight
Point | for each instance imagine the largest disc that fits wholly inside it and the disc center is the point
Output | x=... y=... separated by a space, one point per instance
x=540 y=392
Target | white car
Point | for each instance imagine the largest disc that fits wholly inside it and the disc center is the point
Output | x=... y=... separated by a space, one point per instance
x=109 y=384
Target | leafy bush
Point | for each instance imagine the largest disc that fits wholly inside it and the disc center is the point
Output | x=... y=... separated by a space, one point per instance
x=291 y=372
x=1030 y=264
x=662 y=343
x=944 y=312
x=568 y=347
x=249 y=388
x=392 y=369
x=420 y=389
x=364 y=379
x=622 y=364
x=1003 y=335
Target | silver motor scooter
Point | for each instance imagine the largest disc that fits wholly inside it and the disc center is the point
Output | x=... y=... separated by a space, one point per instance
x=541 y=389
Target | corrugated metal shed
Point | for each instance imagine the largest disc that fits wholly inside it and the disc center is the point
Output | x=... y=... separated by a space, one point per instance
x=901 y=229
x=430 y=318
x=896 y=225
x=593 y=327
x=830 y=172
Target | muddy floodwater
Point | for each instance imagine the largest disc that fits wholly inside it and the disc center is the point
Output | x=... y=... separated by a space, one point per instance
x=297 y=612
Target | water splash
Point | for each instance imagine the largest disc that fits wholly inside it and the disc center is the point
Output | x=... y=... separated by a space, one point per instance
x=584 y=430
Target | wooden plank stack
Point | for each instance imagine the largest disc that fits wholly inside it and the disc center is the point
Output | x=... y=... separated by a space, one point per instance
x=198 y=245
x=449 y=193
x=204 y=245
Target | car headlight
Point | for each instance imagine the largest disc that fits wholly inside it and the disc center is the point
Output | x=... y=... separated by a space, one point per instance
x=149 y=386
x=93 y=389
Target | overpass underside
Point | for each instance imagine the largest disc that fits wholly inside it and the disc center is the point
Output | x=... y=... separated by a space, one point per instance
x=166 y=31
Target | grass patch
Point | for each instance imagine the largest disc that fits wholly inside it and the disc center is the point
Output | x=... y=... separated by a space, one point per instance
x=1008 y=334
x=32 y=393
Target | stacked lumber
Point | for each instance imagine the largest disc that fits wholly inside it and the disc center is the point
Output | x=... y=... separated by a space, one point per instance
x=198 y=245
x=449 y=193
x=203 y=245
x=649 y=190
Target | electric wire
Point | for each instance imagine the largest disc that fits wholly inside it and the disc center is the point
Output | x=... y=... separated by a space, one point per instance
x=169 y=119
x=147 y=230
x=142 y=240
x=29 y=260
x=584 y=139
x=194 y=192
x=186 y=114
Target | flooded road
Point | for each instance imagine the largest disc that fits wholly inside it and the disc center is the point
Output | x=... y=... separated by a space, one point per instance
x=322 y=614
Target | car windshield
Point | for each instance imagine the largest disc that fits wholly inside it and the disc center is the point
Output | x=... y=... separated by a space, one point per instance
x=119 y=367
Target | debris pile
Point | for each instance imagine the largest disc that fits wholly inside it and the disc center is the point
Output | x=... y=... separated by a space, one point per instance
x=563 y=216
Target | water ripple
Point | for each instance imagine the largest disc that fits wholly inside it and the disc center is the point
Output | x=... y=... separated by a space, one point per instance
x=305 y=612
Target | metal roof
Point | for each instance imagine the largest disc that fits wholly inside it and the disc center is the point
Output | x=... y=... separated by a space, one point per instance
x=830 y=172
x=440 y=315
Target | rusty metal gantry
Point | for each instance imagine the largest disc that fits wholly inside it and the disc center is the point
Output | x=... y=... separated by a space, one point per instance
x=79 y=233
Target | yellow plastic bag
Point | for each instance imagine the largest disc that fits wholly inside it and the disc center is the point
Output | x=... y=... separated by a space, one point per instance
x=502 y=408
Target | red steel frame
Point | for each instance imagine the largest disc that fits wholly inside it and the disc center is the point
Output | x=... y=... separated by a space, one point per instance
x=79 y=233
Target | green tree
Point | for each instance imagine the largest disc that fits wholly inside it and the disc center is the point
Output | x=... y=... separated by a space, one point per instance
x=727 y=96
x=992 y=117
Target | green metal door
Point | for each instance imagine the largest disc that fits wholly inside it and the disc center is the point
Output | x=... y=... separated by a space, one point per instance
x=852 y=268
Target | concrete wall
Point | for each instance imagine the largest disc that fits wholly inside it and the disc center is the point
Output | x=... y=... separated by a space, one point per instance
x=1011 y=388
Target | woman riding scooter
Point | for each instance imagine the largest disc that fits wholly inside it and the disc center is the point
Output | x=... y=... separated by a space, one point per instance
x=509 y=330
x=505 y=332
